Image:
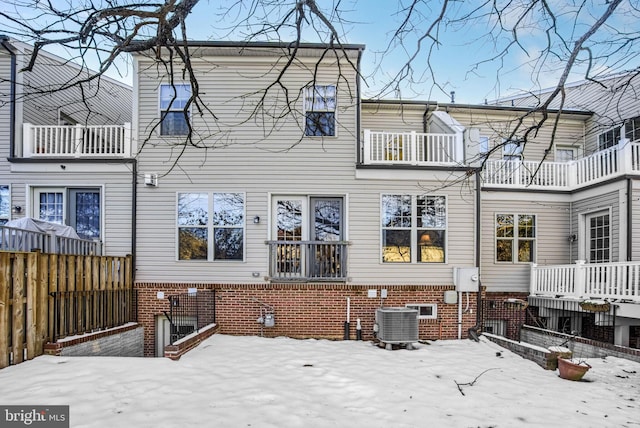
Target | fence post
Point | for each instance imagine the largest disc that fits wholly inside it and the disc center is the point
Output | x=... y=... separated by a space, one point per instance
x=580 y=278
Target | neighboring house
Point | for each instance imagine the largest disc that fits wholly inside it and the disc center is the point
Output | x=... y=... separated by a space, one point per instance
x=324 y=208
x=67 y=154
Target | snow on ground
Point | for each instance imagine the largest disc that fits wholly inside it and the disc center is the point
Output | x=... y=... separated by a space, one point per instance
x=231 y=381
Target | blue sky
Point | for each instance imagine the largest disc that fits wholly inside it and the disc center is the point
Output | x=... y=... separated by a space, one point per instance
x=459 y=62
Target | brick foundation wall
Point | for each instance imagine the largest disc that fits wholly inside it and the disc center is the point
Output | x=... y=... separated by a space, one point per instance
x=307 y=310
x=124 y=341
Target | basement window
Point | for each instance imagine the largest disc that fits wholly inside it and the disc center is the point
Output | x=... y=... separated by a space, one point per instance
x=426 y=311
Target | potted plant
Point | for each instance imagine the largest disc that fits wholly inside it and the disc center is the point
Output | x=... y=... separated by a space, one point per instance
x=571 y=369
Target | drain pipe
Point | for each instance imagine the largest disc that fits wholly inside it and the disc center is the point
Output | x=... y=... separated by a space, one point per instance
x=347 y=323
x=4 y=41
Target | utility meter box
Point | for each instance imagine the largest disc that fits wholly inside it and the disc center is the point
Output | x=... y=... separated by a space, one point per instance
x=466 y=279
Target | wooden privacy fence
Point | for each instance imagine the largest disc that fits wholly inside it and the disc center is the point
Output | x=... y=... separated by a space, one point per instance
x=47 y=296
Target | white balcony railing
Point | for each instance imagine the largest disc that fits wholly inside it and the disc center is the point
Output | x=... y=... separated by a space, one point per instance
x=583 y=281
x=411 y=148
x=16 y=239
x=76 y=141
x=621 y=159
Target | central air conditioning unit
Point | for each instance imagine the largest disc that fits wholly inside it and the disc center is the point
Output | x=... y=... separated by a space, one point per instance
x=396 y=326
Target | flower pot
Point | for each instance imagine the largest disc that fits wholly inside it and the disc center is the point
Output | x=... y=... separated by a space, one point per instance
x=571 y=370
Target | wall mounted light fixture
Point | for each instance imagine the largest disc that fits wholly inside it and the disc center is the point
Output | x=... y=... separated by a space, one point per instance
x=256 y=219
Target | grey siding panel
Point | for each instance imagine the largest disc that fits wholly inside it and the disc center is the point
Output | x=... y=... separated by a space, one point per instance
x=552 y=245
x=582 y=207
x=246 y=159
x=5 y=106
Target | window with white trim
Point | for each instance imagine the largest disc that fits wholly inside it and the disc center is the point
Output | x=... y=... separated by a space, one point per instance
x=211 y=226
x=512 y=150
x=320 y=110
x=565 y=154
x=5 y=204
x=515 y=238
x=609 y=138
x=483 y=148
x=632 y=129
x=599 y=237
x=426 y=311
x=414 y=229
x=173 y=101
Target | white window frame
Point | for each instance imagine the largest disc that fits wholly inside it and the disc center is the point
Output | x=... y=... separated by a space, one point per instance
x=515 y=239
x=631 y=132
x=176 y=106
x=419 y=306
x=414 y=229
x=585 y=233
x=559 y=148
x=34 y=207
x=210 y=227
x=483 y=145
x=516 y=154
x=603 y=143
x=309 y=93
x=4 y=220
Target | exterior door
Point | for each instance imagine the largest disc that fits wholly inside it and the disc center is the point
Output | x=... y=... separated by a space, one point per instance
x=291 y=227
x=598 y=243
x=309 y=228
x=75 y=207
x=325 y=255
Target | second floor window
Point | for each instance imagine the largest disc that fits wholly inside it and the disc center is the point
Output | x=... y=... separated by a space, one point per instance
x=320 y=111
x=515 y=237
x=173 y=99
x=609 y=138
x=632 y=129
x=512 y=151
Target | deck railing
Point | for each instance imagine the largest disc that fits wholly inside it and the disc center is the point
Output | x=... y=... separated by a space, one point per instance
x=620 y=280
x=411 y=148
x=14 y=239
x=621 y=159
x=77 y=141
x=308 y=260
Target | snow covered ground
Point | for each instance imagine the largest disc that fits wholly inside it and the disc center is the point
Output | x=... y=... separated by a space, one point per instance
x=258 y=382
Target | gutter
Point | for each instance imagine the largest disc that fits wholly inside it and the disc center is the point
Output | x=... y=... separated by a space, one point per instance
x=358 y=111
x=478 y=246
x=4 y=41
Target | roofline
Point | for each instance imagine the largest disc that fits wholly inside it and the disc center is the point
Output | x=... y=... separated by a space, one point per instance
x=21 y=46
x=471 y=106
x=281 y=45
x=574 y=84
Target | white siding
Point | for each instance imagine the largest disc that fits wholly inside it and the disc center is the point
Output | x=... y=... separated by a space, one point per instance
x=247 y=160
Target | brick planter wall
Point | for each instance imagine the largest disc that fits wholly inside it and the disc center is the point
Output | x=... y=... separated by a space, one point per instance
x=307 y=310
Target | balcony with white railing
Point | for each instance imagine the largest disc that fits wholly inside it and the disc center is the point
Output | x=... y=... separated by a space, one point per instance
x=619 y=280
x=77 y=141
x=615 y=161
x=411 y=148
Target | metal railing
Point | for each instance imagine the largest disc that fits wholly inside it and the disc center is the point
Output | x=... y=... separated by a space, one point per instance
x=308 y=260
x=411 y=148
x=15 y=239
x=77 y=140
x=190 y=312
x=619 y=280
